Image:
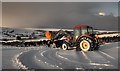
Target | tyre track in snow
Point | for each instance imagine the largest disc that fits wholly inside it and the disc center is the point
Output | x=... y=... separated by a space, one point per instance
x=49 y=58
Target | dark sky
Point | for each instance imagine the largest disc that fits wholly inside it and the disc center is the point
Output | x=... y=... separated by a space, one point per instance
x=59 y=14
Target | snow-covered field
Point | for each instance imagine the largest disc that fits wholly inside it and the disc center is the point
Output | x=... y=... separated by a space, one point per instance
x=50 y=58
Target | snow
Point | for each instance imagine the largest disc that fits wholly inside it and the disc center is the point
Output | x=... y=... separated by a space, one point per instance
x=49 y=58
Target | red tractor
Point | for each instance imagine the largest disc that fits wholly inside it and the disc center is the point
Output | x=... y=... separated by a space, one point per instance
x=82 y=37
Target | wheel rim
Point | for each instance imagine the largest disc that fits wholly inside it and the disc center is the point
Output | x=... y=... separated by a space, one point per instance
x=85 y=45
x=64 y=46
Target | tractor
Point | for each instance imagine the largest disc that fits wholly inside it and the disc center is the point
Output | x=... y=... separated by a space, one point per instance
x=82 y=37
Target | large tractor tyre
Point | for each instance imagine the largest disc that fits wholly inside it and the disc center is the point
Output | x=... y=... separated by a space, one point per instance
x=85 y=44
x=64 y=46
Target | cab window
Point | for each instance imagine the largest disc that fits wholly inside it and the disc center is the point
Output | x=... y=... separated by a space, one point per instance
x=83 y=30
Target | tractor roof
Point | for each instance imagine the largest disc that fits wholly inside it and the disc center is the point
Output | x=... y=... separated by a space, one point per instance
x=81 y=26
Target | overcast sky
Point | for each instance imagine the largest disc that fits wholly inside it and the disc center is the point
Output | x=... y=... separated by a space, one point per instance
x=60 y=14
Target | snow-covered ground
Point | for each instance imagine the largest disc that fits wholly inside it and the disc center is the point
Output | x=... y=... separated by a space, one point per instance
x=50 y=58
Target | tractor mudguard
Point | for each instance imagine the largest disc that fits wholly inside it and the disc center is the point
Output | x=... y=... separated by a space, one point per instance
x=85 y=36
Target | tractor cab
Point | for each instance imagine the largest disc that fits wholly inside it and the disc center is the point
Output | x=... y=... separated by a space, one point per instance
x=82 y=30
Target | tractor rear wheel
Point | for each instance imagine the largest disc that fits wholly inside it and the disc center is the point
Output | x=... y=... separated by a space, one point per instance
x=85 y=44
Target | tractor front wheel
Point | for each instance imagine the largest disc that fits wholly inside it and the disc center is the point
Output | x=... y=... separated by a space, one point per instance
x=64 y=46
